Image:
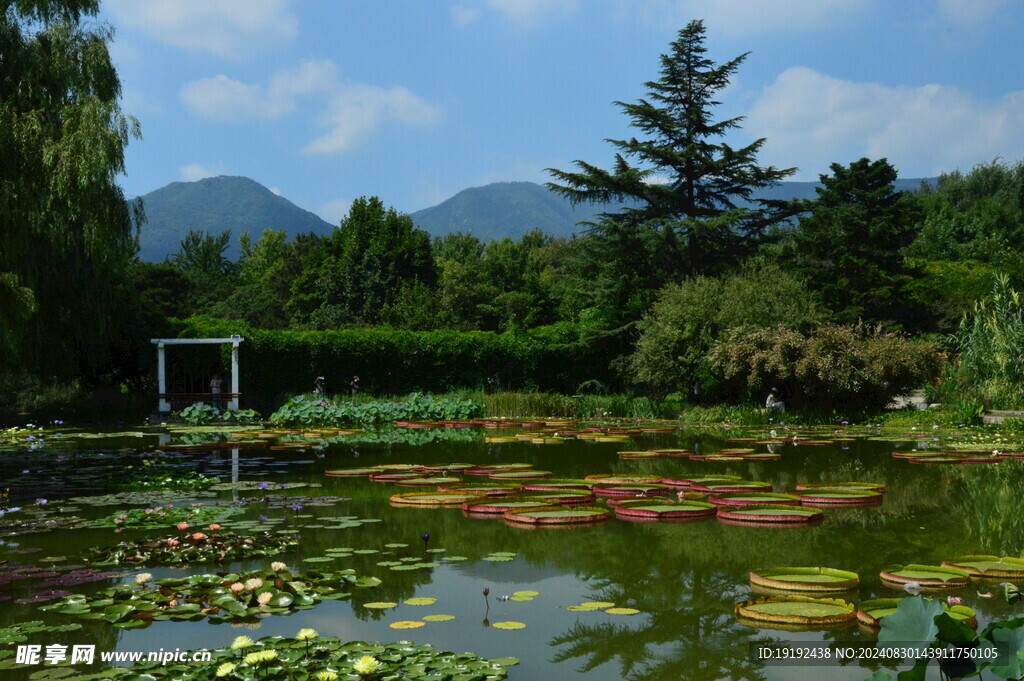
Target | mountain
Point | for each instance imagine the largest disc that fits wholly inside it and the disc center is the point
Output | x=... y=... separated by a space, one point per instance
x=215 y=204
x=511 y=209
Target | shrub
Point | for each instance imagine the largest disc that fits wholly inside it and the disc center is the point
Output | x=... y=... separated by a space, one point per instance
x=991 y=344
x=833 y=368
x=202 y=414
x=306 y=411
x=688 y=318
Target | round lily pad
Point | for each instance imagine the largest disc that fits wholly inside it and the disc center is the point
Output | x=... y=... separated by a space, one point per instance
x=392 y=476
x=441 y=468
x=438 y=618
x=769 y=515
x=508 y=625
x=627 y=456
x=433 y=498
x=675 y=453
x=519 y=475
x=994 y=567
x=797 y=610
x=598 y=605
x=817 y=579
x=558 y=515
x=927 y=576
x=548 y=485
x=427 y=482
x=748 y=498
x=840 y=485
x=664 y=511
x=420 y=601
x=530 y=594
x=492 y=490
x=610 y=479
x=732 y=486
x=352 y=472
x=499 y=506
x=622 y=611
x=839 y=497
x=380 y=605
x=630 y=490
x=407 y=624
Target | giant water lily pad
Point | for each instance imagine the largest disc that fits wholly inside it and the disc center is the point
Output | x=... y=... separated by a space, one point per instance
x=653 y=510
x=796 y=610
x=499 y=506
x=806 y=579
x=769 y=515
x=519 y=475
x=434 y=498
x=987 y=566
x=352 y=472
x=609 y=479
x=427 y=482
x=840 y=485
x=492 y=490
x=630 y=490
x=545 y=485
x=640 y=456
x=732 y=486
x=839 y=497
x=927 y=576
x=748 y=498
x=557 y=515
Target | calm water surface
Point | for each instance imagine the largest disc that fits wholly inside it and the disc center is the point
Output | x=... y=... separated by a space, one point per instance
x=684 y=578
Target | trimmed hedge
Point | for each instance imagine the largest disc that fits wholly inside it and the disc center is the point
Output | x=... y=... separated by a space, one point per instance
x=276 y=364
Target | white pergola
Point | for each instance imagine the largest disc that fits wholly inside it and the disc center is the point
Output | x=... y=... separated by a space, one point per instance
x=161 y=343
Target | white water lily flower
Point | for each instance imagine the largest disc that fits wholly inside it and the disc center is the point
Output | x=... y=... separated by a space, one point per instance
x=278 y=566
x=143 y=577
x=264 y=598
x=253 y=583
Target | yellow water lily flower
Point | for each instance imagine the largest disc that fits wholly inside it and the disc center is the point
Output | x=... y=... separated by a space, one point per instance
x=306 y=634
x=366 y=665
x=225 y=669
x=242 y=642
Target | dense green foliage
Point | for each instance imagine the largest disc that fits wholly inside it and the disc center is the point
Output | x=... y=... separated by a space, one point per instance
x=849 y=246
x=391 y=361
x=313 y=411
x=202 y=414
x=990 y=341
x=830 y=368
x=688 y=318
x=65 y=219
x=668 y=285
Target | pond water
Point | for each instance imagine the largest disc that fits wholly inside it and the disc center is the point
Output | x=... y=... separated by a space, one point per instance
x=683 y=578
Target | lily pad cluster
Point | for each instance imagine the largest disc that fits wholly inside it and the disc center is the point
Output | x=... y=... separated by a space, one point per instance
x=221 y=597
x=163 y=516
x=37 y=584
x=188 y=549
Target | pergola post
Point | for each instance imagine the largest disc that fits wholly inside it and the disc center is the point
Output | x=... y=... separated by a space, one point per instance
x=233 y=404
x=161 y=368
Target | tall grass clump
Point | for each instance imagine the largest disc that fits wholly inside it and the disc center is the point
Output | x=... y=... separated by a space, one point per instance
x=991 y=344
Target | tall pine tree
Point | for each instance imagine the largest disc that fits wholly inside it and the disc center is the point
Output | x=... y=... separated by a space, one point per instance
x=682 y=184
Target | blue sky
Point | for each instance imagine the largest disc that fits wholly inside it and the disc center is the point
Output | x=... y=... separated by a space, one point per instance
x=414 y=100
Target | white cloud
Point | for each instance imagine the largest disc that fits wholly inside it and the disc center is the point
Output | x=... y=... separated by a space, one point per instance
x=532 y=12
x=744 y=17
x=355 y=111
x=811 y=120
x=220 y=98
x=334 y=211
x=969 y=14
x=464 y=16
x=352 y=111
x=227 y=28
x=196 y=171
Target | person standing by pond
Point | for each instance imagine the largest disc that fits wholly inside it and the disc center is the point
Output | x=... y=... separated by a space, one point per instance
x=215 y=388
x=774 y=401
x=355 y=386
x=320 y=386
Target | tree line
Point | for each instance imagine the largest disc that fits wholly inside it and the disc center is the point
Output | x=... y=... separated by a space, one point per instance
x=689 y=264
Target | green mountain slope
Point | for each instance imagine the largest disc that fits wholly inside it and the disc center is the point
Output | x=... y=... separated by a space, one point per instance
x=214 y=204
x=510 y=209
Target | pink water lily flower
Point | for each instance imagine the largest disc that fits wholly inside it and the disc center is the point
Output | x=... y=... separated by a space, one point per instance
x=182 y=526
x=173 y=542
x=199 y=536
x=214 y=527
